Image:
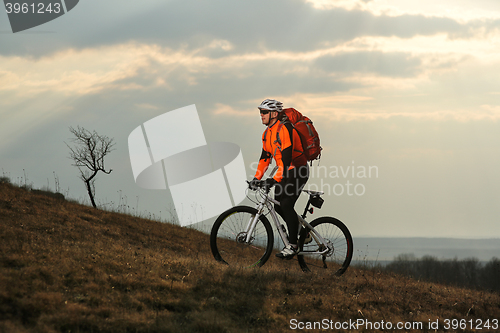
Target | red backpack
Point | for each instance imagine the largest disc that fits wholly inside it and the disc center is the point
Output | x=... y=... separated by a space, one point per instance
x=308 y=135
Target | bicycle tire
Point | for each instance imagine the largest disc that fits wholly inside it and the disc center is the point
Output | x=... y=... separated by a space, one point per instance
x=334 y=231
x=228 y=232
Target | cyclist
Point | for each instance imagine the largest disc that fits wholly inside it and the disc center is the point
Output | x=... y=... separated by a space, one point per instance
x=282 y=142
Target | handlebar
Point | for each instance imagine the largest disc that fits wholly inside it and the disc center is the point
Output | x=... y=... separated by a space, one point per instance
x=255 y=184
x=258 y=184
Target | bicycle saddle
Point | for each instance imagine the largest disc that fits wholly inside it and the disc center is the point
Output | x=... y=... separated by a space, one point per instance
x=314 y=193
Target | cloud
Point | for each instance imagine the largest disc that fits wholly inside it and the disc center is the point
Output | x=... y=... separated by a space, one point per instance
x=388 y=74
x=460 y=10
x=71 y=71
x=226 y=110
x=140 y=66
x=491 y=112
x=385 y=64
x=254 y=26
x=147 y=106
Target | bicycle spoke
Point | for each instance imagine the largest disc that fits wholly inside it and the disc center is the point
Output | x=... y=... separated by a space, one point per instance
x=229 y=239
x=339 y=242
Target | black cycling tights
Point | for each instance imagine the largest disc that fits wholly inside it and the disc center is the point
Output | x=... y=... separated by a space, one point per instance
x=286 y=193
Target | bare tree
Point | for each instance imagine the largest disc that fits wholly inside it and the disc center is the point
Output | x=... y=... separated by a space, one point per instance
x=88 y=154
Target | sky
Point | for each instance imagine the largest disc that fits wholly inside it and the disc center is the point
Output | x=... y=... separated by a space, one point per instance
x=404 y=93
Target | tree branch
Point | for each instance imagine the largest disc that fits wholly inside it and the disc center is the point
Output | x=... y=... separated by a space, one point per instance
x=88 y=153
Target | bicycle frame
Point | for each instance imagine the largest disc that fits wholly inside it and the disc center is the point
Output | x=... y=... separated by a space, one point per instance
x=267 y=202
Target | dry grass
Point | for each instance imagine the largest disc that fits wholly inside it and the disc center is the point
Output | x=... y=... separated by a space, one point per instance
x=71 y=268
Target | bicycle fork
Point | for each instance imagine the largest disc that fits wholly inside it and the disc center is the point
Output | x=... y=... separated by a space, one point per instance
x=252 y=223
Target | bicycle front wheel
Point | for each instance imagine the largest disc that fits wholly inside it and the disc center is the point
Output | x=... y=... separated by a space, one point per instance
x=339 y=244
x=229 y=242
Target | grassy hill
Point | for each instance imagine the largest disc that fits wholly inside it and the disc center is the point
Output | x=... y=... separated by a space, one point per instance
x=65 y=267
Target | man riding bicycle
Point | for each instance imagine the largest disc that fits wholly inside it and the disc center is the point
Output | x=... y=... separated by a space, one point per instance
x=282 y=142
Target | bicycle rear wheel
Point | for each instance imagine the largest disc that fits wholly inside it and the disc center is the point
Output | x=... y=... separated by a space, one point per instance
x=228 y=238
x=340 y=245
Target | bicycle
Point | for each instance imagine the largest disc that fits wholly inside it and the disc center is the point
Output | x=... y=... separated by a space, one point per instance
x=242 y=236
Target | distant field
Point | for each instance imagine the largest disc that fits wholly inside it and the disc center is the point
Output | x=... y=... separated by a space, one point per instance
x=385 y=249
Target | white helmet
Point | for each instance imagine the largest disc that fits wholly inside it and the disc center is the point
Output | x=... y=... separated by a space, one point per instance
x=271 y=105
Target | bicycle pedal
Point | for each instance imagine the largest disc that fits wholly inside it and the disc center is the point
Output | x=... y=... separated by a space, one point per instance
x=284 y=230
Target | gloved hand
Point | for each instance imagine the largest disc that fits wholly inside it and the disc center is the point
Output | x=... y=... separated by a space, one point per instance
x=268 y=183
x=253 y=184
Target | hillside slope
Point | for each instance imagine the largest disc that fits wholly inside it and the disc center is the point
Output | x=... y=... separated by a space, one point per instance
x=71 y=268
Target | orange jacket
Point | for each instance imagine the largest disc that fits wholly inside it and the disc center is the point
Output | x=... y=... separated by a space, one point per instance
x=287 y=151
